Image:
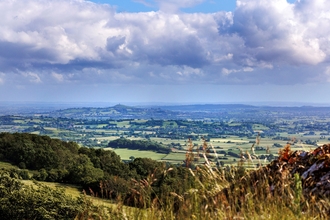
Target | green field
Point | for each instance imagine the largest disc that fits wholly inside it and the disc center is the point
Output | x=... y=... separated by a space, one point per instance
x=125 y=154
x=175 y=157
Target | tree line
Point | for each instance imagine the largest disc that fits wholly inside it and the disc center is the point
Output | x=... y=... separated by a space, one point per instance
x=139 y=145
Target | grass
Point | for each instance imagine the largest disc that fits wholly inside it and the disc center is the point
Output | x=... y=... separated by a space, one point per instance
x=259 y=127
x=125 y=154
x=123 y=124
x=111 y=138
x=74 y=191
x=229 y=193
x=223 y=140
x=236 y=193
x=6 y=165
x=70 y=189
x=179 y=157
x=169 y=141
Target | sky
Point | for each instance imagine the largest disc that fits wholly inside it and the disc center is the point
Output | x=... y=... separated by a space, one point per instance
x=165 y=51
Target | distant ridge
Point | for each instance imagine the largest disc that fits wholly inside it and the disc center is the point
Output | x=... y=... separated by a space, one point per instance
x=179 y=111
x=207 y=107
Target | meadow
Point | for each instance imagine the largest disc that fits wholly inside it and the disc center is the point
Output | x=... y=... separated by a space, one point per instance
x=126 y=154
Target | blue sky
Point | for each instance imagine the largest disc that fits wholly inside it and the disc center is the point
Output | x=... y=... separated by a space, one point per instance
x=209 y=6
x=188 y=51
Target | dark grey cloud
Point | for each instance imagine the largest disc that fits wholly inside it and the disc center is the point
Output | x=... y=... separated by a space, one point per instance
x=23 y=56
x=113 y=43
x=180 y=52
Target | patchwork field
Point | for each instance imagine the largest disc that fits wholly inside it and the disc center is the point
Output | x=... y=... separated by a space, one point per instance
x=231 y=133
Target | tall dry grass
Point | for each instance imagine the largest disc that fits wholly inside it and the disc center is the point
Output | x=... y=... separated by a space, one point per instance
x=269 y=192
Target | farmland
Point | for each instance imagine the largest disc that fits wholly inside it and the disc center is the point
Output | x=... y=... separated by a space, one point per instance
x=230 y=131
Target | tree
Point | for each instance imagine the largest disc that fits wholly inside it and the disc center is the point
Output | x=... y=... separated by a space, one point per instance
x=83 y=171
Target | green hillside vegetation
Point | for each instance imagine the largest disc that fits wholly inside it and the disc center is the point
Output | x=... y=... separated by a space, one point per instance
x=157 y=190
x=51 y=159
x=19 y=201
x=102 y=171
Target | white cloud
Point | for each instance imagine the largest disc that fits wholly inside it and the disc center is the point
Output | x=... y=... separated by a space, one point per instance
x=226 y=71
x=188 y=71
x=32 y=77
x=58 y=77
x=82 y=42
x=274 y=32
x=327 y=73
x=54 y=31
x=2 y=81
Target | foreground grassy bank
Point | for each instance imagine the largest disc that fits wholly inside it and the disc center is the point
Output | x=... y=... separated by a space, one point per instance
x=294 y=186
x=270 y=192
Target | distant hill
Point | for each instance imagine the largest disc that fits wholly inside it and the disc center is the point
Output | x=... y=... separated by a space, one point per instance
x=208 y=107
x=115 y=112
x=196 y=112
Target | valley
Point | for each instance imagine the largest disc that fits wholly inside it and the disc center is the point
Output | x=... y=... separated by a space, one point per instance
x=229 y=130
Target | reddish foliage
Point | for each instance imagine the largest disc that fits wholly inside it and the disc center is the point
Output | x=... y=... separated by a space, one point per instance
x=285 y=153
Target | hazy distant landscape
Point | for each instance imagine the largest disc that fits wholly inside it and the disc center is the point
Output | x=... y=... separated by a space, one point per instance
x=229 y=128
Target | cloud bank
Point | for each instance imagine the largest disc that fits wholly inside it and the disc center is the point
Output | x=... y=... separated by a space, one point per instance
x=80 y=42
